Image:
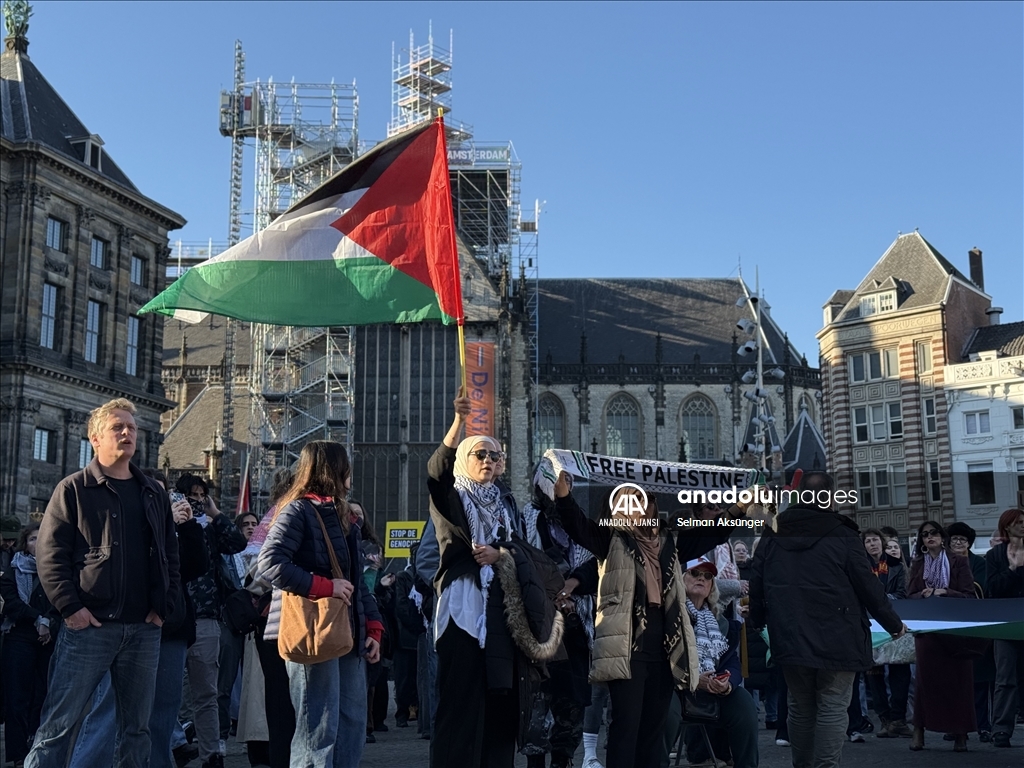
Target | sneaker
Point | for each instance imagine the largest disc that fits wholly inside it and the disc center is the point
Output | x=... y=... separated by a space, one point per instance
x=222 y=747
x=985 y=736
x=1001 y=739
x=856 y=737
x=371 y=739
x=402 y=722
x=782 y=742
x=214 y=761
x=592 y=762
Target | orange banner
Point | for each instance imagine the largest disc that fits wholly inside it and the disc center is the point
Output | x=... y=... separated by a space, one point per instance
x=480 y=380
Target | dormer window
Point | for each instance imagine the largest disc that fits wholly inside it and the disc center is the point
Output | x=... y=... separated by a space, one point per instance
x=877 y=302
x=89 y=150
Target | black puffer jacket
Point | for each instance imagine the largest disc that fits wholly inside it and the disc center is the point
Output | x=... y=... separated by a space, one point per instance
x=24 y=615
x=194 y=562
x=814 y=588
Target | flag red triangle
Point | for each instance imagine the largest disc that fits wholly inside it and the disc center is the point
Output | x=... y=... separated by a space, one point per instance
x=405 y=218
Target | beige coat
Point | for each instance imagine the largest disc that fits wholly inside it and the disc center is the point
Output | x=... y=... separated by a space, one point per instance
x=613 y=624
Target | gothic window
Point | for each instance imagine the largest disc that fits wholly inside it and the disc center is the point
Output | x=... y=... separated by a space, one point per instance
x=550 y=423
x=622 y=427
x=699 y=427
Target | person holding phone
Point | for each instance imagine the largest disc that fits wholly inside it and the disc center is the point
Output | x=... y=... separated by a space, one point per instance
x=718 y=642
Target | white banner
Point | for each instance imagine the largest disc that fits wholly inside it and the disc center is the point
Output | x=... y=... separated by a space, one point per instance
x=656 y=476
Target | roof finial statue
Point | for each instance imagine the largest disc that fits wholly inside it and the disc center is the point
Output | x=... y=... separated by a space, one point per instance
x=16 y=15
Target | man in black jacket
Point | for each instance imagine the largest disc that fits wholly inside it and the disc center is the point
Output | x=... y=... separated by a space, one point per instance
x=811 y=585
x=107 y=558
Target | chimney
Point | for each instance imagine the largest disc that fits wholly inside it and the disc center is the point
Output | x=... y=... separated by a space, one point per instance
x=977 y=271
x=993 y=315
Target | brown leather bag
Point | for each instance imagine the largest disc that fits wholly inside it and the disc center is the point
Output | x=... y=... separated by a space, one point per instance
x=313 y=631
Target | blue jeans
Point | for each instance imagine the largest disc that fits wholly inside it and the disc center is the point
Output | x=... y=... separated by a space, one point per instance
x=330 y=712
x=95 y=742
x=130 y=653
x=164 y=718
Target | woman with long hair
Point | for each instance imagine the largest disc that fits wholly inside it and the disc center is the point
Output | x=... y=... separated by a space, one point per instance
x=644 y=644
x=29 y=626
x=944 y=688
x=329 y=697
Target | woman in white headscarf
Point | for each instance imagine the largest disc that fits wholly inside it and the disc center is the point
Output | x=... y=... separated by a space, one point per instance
x=478 y=707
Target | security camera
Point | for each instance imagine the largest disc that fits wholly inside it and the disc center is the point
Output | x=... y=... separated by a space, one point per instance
x=747 y=347
x=749 y=377
x=777 y=373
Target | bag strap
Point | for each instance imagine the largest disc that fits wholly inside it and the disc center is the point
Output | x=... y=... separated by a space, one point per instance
x=335 y=567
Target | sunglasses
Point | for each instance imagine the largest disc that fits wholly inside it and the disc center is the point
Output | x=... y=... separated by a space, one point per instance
x=958 y=540
x=700 y=574
x=929 y=532
x=494 y=456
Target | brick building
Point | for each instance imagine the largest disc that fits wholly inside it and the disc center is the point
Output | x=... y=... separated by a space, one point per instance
x=883 y=350
x=81 y=250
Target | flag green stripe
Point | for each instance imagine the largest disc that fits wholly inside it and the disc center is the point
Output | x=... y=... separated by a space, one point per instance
x=352 y=291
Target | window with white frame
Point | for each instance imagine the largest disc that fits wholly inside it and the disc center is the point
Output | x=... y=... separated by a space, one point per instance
x=622 y=427
x=93 y=320
x=878 y=423
x=48 y=328
x=131 y=360
x=923 y=356
x=976 y=423
x=43 y=445
x=882 y=486
x=1018 y=417
x=860 y=424
x=98 y=253
x=57 y=234
x=981 y=483
x=138 y=271
x=868 y=305
x=928 y=416
x=934 y=484
x=894 y=415
x=874 y=365
x=699 y=420
x=550 y=423
x=84 y=452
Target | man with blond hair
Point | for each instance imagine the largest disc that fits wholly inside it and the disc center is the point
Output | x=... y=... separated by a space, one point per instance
x=107 y=559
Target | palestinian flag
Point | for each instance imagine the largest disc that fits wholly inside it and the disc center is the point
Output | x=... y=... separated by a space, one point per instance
x=994 y=618
x=373 y=244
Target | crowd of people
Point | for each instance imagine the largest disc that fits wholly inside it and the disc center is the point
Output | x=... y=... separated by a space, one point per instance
x=143 y=626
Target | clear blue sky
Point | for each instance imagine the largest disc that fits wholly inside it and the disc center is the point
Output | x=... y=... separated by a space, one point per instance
x=667 y=140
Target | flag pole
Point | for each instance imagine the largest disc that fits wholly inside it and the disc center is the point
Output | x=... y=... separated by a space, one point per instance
x=460 y=320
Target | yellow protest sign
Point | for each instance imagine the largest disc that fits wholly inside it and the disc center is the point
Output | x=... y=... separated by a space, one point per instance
x=399 y=535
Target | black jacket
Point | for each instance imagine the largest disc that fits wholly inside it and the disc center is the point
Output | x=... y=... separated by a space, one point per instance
x=23 y=615
x=894 y=583
x=79 y=557
x=814 y=588
x=195 y=561
x=1000 y=580
x=407 y=615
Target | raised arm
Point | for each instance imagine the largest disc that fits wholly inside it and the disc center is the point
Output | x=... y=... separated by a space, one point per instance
x=440 y=466
x=581 y=529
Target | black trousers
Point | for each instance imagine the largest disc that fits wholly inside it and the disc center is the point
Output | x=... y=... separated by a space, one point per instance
x=639 y=708
x=278 y=701
x=24 y=667
x=232 y=648
x=473 y=726
x=889 y=707
x=404 y=668
x=737 y=726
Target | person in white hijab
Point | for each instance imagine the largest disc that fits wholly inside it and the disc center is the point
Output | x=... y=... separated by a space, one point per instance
x=478 y=708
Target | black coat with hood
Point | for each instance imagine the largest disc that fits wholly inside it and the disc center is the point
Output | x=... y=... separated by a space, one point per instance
x=813 y=587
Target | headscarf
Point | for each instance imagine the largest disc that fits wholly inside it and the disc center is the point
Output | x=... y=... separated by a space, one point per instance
x=936 y=570
x=485 y=513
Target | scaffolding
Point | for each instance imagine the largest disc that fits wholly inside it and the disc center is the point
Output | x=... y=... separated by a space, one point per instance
x=300 y=378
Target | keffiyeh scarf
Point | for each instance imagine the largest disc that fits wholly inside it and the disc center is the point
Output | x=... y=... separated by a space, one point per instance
x=711 y=646
x=24 y=566
x=936 y=571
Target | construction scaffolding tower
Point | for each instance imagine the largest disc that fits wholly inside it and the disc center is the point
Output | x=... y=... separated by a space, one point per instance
x=300 y=378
